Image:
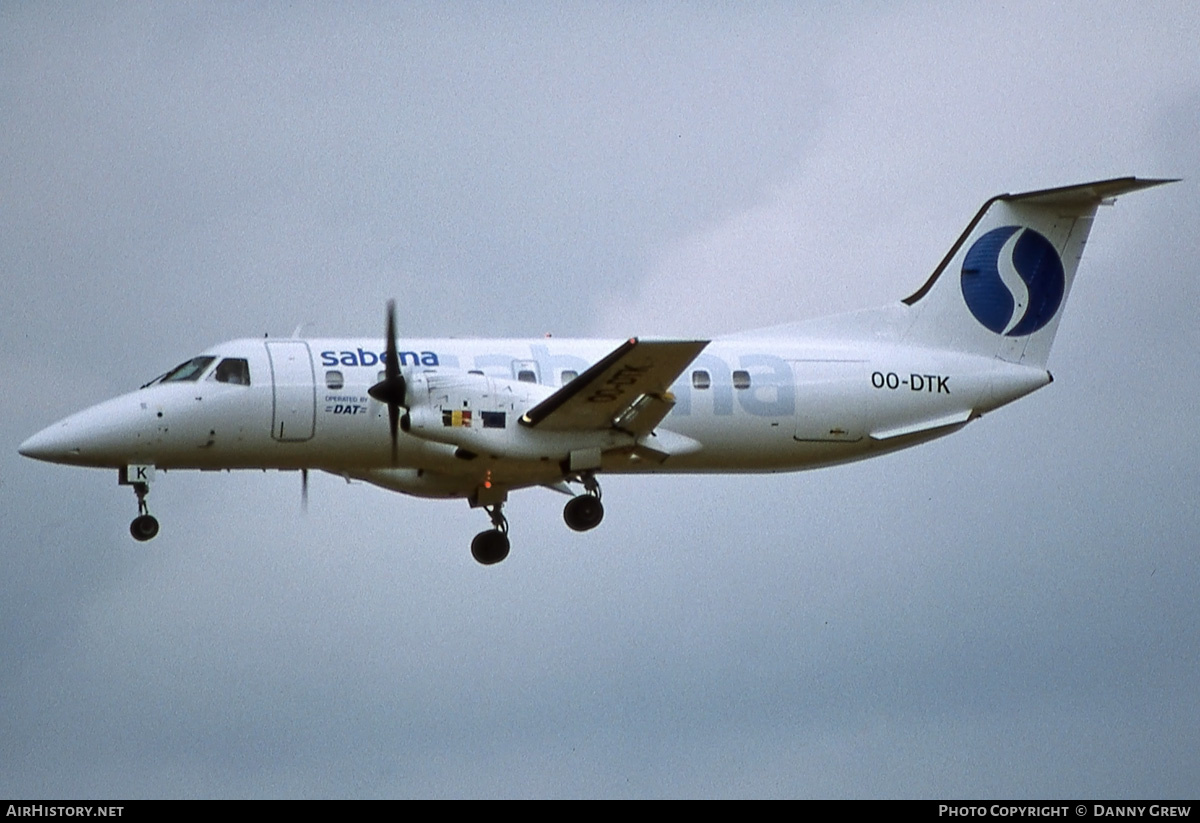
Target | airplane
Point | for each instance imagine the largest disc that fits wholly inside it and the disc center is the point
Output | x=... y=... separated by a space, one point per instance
x=479 y=419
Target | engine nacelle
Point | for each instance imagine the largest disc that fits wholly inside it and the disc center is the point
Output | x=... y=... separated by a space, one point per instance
x=481 y=415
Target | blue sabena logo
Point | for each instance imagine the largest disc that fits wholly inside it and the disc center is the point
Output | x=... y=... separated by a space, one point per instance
x=1012 y=280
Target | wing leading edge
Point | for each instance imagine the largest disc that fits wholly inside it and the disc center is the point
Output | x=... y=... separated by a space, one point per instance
x=627 y=389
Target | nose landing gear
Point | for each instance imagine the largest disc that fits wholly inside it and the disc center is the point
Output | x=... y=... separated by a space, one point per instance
x=145 y=526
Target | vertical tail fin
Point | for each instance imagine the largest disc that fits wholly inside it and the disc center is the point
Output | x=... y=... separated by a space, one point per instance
x=1001 y=288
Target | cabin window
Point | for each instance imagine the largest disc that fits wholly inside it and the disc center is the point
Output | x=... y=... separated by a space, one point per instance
x=188 y=372
x=476 y=371
x=233 y=370
x=701 y=379
x=741 y=379
x=334 y=380
x=568 y=375
x=494 y=420
x=526 y=376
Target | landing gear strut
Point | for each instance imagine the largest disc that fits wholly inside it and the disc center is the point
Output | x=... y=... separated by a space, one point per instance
x=491 y=546
x=144 y=527
x=585 y=511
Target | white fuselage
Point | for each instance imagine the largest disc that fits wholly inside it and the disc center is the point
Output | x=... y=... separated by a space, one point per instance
x=746 y=404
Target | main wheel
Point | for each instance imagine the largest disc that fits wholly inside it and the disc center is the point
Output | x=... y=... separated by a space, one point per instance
x=490 y=547
x=143 y=527
x=583 y=512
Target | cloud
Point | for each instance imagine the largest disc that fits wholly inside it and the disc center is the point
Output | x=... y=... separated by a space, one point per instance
x=923 y=114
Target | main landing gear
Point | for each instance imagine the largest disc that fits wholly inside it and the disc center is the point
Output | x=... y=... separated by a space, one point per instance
x=585 y=511
x=582 y=513
x=145 y=526
x=492 y=546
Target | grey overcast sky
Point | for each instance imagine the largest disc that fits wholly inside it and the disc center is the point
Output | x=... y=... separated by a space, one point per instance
x=1011 y=611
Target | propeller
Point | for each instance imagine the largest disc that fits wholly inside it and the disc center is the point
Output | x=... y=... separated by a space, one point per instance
x=391 y=389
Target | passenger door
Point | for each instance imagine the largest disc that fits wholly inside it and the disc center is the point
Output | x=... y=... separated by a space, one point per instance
x=294 y=407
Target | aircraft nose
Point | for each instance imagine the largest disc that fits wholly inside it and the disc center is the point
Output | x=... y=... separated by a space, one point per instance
x=54 y=444
x=103 y=435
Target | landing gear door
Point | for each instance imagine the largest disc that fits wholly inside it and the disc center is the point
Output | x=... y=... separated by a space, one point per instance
x=294 y=407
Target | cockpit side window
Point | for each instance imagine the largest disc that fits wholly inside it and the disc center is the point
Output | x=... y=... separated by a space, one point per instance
x=187 y=372
x=233 y=370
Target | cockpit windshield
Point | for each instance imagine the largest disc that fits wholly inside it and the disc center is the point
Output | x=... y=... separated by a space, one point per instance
x=185 y=372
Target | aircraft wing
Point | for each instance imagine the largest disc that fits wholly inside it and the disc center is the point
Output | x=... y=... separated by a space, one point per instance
x=626 y=389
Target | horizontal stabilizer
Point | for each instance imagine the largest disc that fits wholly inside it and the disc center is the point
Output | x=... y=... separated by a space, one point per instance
x=1086 y=193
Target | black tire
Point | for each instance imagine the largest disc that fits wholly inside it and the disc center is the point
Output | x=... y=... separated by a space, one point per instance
x=490 y=547
x=144 y=527
x=583 y=513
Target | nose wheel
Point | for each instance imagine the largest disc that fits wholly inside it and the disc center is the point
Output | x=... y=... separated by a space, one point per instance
x=145 y=526
x=491 y=546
